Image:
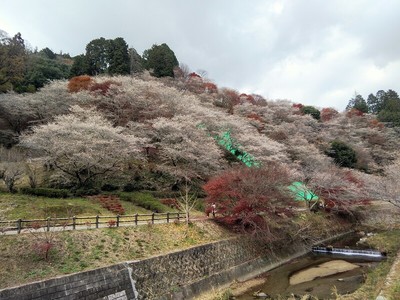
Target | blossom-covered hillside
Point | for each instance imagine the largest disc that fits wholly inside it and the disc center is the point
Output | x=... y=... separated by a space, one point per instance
x=157 y=133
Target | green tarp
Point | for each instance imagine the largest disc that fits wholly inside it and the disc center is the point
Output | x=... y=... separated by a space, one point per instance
x=301 y=192
x=226 y=141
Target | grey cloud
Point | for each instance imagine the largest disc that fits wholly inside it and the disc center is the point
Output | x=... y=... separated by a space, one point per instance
x=242 y=44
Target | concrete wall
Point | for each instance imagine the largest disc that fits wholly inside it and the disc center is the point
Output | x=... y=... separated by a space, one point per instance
x=179 y=275
x=168 y=274
x=96 y=284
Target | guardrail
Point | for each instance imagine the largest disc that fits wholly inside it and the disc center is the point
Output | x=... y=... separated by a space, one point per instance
x=73 y=223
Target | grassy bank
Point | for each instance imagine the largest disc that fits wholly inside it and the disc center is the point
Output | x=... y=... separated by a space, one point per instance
x=22 y=259
x=16 y=206
x=21 y=206
x=375 y=279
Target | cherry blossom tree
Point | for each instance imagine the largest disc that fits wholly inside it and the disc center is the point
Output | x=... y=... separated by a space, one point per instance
x=82 y=145
x=184 y=149
x=10 y=173
x=387 y=187
x=14 y=109
x=341 y=189
x=228 y=98
x=11 y=167
x=23 y=110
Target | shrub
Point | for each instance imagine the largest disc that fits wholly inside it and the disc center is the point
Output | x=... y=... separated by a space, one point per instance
x=102 y=87
x=42 y=248
x=376 y=124
x=108 y=187
x=111 y=223
x=145 y=200
x=200 y=205
x=138 y=186
x=111 y=203
x=297 y=105
x=164 y=194
x=342 y=154
x=210 y=87
x=390 y=116
x=86 y=192
x=311 y=110
x=79 y=83
x=46 y=192
x=376 y=139
x=131 y=187
x=278 y=135
x=328 y=114
x=229 y=98
x=171 y=202
x=354 y=112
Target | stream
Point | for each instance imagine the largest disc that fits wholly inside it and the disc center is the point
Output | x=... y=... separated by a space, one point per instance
x=314 y=274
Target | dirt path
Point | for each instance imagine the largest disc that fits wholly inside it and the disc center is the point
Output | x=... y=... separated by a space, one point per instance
x=92 y=226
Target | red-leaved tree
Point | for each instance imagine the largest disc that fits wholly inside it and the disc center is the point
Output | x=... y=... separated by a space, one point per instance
x=328 y=114
x=229 y=98
x=354 y=112
x=79 y=83
x=248 y=197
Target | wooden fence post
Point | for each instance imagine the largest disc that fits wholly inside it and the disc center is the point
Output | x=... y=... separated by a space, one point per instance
x=19 y=225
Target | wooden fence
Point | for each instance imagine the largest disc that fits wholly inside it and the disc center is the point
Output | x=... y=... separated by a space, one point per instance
x=73 y=223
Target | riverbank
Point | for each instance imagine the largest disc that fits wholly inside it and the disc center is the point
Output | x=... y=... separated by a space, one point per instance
x=176 y=275
x=391 y=287
x=209 y=266
x=251 y=280
x=381 y=283
x=383 y=280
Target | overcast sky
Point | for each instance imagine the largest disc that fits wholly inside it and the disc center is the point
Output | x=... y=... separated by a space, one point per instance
x=316 y=52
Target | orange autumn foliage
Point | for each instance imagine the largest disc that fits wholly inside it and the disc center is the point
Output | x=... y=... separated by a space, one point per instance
x=79 y=83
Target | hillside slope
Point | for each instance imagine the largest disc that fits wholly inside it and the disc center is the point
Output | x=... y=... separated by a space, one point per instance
x=177 y=124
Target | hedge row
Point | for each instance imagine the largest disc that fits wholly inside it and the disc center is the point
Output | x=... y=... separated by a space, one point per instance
x=145 y=200
x=46 y=192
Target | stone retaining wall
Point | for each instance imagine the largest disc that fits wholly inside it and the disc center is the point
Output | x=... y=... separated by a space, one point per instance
x=168 y=273
x=94 y=284
x=179 y=275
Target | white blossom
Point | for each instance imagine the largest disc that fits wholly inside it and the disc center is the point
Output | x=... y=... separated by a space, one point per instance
x=83 y=145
